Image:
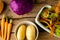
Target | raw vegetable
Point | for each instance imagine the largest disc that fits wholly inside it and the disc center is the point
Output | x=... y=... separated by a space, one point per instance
x=57 y=26
x=46 y=23
x=45 y=13
x=21 y=32
x=57 y=10
x=1 y=6
x=57 y=31
x=58 y=7
x=6 y=28
x=52 y=9
x=52 y=30
x=51 y=18
x=9 y=29
x=21 y=6
x=30 y=32
x=3 y=25
x=58 y=4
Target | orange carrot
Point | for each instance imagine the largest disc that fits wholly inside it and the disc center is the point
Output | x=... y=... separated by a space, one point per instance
x=52 y=31
x=3 y=25
x=46 y=23
x=58 y=4
x=6 y=29
x=46 y=19
x=9 y=29
x=57 y=10
x=51 y=28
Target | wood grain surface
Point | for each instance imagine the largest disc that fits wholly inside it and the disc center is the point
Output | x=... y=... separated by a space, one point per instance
x=29 y=16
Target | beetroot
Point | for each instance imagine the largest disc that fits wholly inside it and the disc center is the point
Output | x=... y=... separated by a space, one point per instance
x=21 y=6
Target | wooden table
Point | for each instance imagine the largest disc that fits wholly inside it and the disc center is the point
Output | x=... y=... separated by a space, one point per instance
x=29 y=16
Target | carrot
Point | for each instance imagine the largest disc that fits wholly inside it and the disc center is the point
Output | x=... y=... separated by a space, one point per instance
x=6 y=28
x=9 y=29
x=3 y=25
x=46 y=19
x=57 y=10
x=52 y=31
x=58 y=4
x=49 y=26
x=57 y=23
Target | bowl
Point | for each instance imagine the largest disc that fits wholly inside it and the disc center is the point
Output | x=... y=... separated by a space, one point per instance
x=28 y=23
x=40 y=24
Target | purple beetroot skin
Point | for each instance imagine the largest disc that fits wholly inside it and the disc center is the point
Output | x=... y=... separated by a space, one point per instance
x=21 y=6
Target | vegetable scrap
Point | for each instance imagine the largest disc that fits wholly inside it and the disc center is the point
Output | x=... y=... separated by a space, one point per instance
x=50 y=18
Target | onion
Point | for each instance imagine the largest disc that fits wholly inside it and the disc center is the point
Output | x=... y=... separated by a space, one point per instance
x=21 y=6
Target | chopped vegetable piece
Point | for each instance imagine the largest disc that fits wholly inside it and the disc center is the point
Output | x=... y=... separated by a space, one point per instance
x=45 y=14
x=57 y=31
x=57 y=10
x=57 y=25
x=51 y=17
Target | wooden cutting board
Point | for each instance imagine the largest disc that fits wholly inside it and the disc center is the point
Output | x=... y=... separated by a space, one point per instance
x=29 y=16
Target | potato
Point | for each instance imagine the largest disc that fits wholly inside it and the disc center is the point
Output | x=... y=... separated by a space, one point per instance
x=30 y=32
x=21 y=33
